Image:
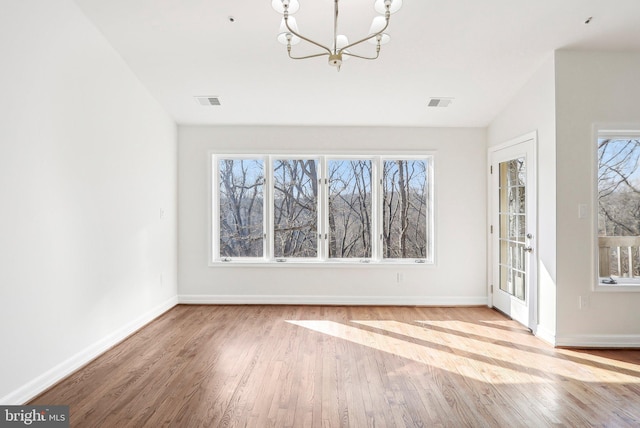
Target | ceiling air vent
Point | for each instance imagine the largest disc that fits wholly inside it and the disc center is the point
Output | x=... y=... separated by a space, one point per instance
x=208 y=101
x=440 y=102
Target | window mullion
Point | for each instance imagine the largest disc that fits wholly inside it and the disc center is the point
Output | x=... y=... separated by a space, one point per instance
x=323 y=210
x=376 y=210
x=268 y=208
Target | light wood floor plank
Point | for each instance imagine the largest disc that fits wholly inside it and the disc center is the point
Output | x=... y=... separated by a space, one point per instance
x=315 y=366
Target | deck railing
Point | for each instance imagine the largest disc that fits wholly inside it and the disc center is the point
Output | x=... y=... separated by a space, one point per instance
x=619 y=256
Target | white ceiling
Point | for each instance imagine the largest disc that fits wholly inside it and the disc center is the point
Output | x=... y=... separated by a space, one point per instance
x=479 y=52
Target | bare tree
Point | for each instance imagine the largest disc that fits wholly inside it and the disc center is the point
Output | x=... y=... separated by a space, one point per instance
x=350 y=209
x=295 y=207
x=241 y=199
x=619 y=200
x=404 y=208
x=618 y=187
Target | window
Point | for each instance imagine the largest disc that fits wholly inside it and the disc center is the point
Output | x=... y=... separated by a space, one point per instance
x=241 y=199
x=295 y=207
x=342 y=209
x=350 y=209
x=404 y=201
x=618 y=186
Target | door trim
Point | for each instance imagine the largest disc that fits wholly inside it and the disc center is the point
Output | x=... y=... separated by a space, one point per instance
x=532 y=191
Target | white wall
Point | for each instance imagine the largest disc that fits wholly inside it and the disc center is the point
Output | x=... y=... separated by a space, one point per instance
x=592 y=87
x=533 y=109
x=87 y=161
x=562 y=102
x=458 y=278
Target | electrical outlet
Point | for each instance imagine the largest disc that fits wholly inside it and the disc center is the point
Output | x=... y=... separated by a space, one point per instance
x=399 y=277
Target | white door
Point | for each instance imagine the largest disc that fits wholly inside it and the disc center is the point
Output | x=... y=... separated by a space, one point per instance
x=513 y=229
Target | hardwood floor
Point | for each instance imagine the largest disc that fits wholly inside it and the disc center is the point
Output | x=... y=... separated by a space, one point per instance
x=313 y=366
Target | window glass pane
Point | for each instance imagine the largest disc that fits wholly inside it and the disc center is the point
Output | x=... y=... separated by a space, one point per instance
x=295 y=207
x=619 y=209
x=241 y=207
x=404 y=200
x=512 y=216
x=349 y=208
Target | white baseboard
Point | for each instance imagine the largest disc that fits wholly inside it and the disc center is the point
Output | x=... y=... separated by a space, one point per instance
x=49 y=378
x=330 y=300
x=599 y=341
x=546 y=335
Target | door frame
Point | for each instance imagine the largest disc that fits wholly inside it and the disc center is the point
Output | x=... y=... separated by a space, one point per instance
x=532 y=219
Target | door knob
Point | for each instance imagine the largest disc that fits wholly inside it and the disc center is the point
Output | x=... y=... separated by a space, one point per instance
x=528 y=249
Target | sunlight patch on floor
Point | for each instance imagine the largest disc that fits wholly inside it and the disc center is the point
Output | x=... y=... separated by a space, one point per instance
x=464 y=337
x=437 y=355
x=449 y=346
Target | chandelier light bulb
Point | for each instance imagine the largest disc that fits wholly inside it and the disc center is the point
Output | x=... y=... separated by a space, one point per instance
x=280 y=5
x=377 y=24
x=384 y=38
x=284 y=31
x=381 y=5
x=341 y=41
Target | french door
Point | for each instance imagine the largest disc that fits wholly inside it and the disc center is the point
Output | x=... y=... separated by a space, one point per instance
x=513 y=229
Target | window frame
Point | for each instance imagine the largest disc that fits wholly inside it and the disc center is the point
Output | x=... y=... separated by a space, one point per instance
x=270 y=232
x=374 y=211
x=214 y=218
x=268 y=259
x=600 y=131
x=430 y=209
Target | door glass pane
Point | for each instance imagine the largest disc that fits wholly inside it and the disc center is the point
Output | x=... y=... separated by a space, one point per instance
x=518 y=279
x=405 y=194
x=505 y=282
x=512 y=227
x=295 y=211
x=521 y=199
x=241 y=204
x=513 y=198
x=349 y=208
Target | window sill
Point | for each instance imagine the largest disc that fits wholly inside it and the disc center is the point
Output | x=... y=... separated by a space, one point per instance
x=321 y=264
x=617 y=288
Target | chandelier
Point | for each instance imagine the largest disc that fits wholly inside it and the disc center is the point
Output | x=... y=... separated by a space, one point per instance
x=339 y=50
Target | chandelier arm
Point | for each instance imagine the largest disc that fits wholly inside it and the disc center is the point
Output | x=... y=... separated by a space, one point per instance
x=363 y=57
x=308 y=56
x=370 y=36
x=286 y=23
